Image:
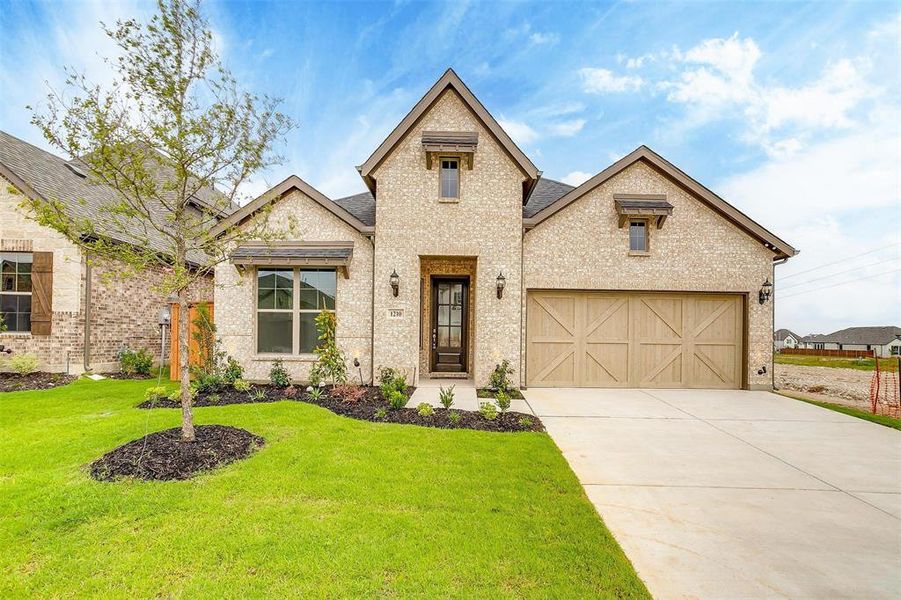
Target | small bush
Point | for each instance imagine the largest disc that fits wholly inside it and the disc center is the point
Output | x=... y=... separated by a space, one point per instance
x=349 y=393
x=397 y=400
x=278 y=374
x=213 y=398
x=174 y=396
x=232 y=372
x=454 y=418
x=425 y=409
x=500 y=377
x=446 y=397
x=381 y=412
x=488 y=411
x=207 y=382
x=390 y=380
x=241 y=385
x=525 y=422
x=503 y=401
x=316 y=394
x=258 y=395
x=135 y=363
x=289 y=392
x=24 y=364
x=155 y=393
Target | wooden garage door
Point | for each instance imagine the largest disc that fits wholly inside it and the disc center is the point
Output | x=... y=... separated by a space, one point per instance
x=613 y=339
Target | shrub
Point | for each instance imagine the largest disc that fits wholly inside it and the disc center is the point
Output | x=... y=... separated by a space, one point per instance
x=135 y=362
x=331 y=363
x=258 y=395
x=488 y=411
x=24 y=364
x=446 y=396
x=241 y=385
x=232 y=372
x=503 y=401
x=316 y=376
x=397 y=400
x=289 y=392
x=348 y=392
x=174 y=396
x=155 y=393
x=390 y=380
x=278 y=375
x=500 y=377
x=454 y=418
x=381 y=412
x=425 y=409
x=213 y=398
x=387 y=375
x=316 y=394
x=525 y=422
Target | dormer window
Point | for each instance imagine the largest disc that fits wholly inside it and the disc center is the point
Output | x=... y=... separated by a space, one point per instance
x=450 y=178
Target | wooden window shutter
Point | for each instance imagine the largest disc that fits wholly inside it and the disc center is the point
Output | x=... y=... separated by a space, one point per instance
x=41 y=293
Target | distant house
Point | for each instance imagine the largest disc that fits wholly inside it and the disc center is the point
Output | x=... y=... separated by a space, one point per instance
x=785 y=338
x=886 y=341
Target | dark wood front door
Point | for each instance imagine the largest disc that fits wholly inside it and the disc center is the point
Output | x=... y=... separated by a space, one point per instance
x=450 y=309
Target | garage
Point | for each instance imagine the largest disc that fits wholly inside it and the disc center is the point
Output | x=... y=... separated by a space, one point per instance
x=634 y=339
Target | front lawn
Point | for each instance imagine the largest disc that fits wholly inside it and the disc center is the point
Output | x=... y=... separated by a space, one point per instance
x=329 y=507
x=863 y=364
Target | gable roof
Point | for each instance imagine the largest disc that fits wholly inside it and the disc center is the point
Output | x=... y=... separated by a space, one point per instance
x=781 y=334
x=450 y=80
x=782 y=248
x=361 y=205
x=546 y=192
x=45 y=176
x=293 y=183
x=859 y=335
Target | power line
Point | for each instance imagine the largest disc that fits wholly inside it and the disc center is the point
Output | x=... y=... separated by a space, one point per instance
x=891 y=259
x=847 y=258
x=826 y=287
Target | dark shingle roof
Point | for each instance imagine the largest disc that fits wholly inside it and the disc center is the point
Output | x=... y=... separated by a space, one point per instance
x=55 y=178
x=780 y=335
x=362 y=206
x=291 y=252
x=546 y=192
x=859 y=335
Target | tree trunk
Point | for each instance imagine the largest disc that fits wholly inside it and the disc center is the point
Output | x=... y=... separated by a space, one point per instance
x=187 y=417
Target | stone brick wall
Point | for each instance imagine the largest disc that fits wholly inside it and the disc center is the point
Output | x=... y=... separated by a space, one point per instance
x=298 y=217
x=411 y=222
x=582 y=247
x=124 y=311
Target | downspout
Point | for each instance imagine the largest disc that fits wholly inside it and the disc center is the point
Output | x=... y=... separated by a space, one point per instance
x=522 y=307
x=87 y=312
x=372 y=317
x=776 y=263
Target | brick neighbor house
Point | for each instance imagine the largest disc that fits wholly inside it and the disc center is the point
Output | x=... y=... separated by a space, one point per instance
x=460 y=255
x=53 y=299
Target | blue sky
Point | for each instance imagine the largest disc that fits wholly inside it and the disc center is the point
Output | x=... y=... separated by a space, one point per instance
x=790 y=111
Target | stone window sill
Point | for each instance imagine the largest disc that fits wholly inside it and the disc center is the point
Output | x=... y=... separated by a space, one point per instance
x=288 y=358
x=635 y=253
x=449 y=200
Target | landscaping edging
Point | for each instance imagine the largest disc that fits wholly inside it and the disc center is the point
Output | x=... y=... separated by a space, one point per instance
x=369 y=408
x=163 y=456
x=39 y=380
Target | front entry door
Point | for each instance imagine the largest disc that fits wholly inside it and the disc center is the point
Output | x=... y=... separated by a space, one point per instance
x=450 y=307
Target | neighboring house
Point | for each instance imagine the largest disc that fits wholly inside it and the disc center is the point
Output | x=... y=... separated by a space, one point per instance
x=460 y=255
x=784 y=338
x=885 y=341
x=51 y=296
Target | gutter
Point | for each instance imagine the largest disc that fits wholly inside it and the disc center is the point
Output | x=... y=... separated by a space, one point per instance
x=87 y=312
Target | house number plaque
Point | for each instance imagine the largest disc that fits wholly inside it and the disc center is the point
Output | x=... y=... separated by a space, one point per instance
x=395 y=313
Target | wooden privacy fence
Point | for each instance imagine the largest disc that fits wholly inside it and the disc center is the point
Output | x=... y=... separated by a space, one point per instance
x=193 y=347
x=835 y=353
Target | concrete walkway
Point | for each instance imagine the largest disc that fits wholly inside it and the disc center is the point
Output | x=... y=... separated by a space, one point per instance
x=465 y=398
x=727 y=494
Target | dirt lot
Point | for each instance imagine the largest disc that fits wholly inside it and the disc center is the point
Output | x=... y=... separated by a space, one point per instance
x=844 y=386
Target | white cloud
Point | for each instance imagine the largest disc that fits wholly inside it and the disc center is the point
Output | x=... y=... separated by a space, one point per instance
x=521 y=133
x=568 y=128
x=539 y=39
x=599 y=81
x=576 y=178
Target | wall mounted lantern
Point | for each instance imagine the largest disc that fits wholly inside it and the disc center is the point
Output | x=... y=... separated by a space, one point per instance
x=501 y=282
x=766 y=290
x=394 y=280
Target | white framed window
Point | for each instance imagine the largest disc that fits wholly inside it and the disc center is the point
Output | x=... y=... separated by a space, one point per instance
x=638 y=236
x=288 y=300
x=450 y=178
x=15 y=290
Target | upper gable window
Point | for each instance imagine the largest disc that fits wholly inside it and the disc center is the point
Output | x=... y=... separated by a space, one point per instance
x=638 y=236
x=450 y=178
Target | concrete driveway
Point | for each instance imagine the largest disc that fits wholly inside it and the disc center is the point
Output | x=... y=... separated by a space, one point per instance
x=727 y=494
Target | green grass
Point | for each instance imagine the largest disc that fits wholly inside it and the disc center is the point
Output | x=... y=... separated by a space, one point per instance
x=862 y=364
x=848 y=410
x=330 y=507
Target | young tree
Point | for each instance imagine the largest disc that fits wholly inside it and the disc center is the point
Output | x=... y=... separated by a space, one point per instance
x=175 y=138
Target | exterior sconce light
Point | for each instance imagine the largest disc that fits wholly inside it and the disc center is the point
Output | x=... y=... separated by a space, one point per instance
x=394 y=280
x=501 y=282
x=766 y=290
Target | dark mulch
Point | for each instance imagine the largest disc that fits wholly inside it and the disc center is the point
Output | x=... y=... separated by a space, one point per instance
x=163 y=456
x=13 y=382
x=128 y=376
x=514 y=393
x=368 y=408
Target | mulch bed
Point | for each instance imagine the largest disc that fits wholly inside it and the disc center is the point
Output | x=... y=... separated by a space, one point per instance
x=13 y=382
x=368 y=408
x=127 y=376
x=514 y=393
x=163 y=456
